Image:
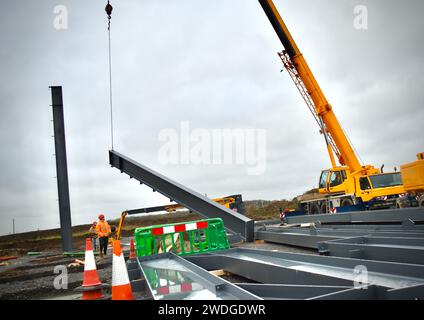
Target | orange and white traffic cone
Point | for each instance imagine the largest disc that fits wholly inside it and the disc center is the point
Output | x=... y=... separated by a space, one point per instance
x=121 y=287
x=91 y=285
x=132 y=250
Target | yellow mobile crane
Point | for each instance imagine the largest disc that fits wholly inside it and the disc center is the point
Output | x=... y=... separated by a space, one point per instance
x=233 y=202
x=349 y=185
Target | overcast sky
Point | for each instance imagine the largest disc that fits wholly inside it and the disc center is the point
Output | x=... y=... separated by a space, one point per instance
x=211 y=63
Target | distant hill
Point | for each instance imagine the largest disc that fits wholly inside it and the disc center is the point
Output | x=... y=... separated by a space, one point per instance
x=270 y=209
x=267 y=209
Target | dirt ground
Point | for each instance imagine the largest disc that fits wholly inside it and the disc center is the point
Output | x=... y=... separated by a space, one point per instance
x=32 y=277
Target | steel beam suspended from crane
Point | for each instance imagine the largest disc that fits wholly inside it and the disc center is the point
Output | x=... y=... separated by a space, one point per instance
x=234 y=222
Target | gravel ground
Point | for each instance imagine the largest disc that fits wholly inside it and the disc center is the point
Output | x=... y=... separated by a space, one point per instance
x=33 y=278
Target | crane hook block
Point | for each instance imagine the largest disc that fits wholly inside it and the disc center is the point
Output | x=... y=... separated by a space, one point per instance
x=108 y=10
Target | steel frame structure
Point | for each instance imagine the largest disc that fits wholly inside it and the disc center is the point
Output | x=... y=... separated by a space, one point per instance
x=384 y=280
x=312 y=237
x=278 y=275
x=208 y=284
x=394 y=249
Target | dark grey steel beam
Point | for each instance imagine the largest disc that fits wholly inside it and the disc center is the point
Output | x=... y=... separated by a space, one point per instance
x=290 y=268
x=284 y=291
x=260 y=223
x=376 y=216
x=311 y=237
x=186 y=197
x=293 y=239
x=409 y=293
x=263 y=272
x=146 y=210
x=403 y=250
x=371 y=227
x=61 y=169
x=365 y=293
x=348 y=233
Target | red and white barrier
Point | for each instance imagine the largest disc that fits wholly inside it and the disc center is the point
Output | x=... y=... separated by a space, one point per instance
x=179 y=228
x=184 y=287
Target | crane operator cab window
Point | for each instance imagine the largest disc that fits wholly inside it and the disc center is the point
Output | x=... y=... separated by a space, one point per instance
x=364 y=183
x=335 y=178
x=323 y=179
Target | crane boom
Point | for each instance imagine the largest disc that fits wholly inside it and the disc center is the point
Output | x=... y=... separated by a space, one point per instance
x=330 y=126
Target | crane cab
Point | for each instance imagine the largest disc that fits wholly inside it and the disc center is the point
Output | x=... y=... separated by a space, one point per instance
x=376 y=190
x=335 y=181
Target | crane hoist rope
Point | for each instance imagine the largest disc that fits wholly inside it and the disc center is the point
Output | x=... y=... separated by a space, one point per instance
x=108 y=10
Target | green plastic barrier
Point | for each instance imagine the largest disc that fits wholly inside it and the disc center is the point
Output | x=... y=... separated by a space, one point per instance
x=182 y=238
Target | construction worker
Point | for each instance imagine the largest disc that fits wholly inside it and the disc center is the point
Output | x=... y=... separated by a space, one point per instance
x=283 y=215
x=93 y=235
x=103 y=233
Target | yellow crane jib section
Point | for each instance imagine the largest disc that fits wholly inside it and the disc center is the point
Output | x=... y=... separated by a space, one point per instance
x=322 y=107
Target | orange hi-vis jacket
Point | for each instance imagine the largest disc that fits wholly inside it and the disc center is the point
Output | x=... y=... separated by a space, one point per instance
x=103 y=229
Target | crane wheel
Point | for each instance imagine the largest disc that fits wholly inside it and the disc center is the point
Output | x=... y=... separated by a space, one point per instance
x=347 y=202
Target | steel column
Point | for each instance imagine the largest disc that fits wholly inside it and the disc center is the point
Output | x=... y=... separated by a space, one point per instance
x=61 y=168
